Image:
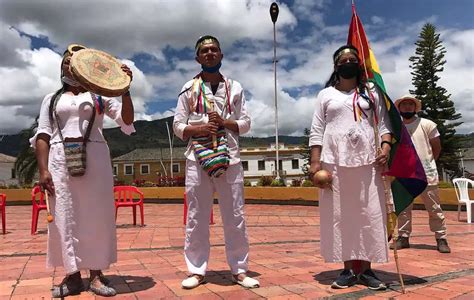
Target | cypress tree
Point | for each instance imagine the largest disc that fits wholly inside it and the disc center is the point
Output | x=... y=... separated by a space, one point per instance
x=427 y=64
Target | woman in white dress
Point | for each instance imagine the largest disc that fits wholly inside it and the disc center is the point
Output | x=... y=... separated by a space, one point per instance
x=342 y=141
x=83 y=234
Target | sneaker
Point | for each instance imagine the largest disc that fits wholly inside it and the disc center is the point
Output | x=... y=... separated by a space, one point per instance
x=98 y=287
x=68 y=287
x=346 y=279
x=369 y=279
x=443 y=246
x=402 y=242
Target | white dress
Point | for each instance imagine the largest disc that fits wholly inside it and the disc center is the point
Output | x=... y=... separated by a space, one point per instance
x=83 y=234
x=353 y=213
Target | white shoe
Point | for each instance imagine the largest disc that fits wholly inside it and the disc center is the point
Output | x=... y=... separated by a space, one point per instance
x=248 y=282
x=192 y=282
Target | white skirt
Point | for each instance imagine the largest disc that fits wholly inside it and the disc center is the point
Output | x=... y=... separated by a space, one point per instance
x=353 y=215
x=83 y=233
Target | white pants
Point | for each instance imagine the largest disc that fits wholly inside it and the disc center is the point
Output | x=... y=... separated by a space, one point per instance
x=199 y=195
x=437 y=221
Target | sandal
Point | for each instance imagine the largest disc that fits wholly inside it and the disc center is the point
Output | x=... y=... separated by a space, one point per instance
x=192 y=281
x=247 y=282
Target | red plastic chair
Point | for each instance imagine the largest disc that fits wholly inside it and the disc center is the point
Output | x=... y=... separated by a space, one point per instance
x=185 y=212
x=3 y=203
x=124 y=197
x=38 y=205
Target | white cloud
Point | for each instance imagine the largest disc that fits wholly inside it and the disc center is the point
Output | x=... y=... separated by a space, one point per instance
x=376 y=20
x=142 y=26
x=24 y=88
x=127 y=27
x=10 y=44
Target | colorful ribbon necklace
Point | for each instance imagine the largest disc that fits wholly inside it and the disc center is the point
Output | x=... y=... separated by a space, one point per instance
x=203 y=102
x=358 y=110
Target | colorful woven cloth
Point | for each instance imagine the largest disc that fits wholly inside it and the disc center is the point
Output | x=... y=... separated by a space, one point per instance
x=214 y=161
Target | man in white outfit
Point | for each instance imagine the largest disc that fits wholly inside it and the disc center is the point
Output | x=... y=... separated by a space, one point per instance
x=207 y=105
x=425 y=137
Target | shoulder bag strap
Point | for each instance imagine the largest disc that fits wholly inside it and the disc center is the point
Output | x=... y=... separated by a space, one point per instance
x=89 y=126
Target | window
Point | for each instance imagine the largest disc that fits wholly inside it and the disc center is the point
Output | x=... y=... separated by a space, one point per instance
x=261 y=165
x=128 y=169
x=245 y=165
x=175 y=168
x=115 y=170
x=280 y=164
x=13 y=174
x=144 y=169
x=295 y=164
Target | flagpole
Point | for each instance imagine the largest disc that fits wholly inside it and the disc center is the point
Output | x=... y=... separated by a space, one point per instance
x=378 y=147
x=360 y=40
x=274 y=10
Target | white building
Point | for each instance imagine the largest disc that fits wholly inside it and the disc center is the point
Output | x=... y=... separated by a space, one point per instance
x=256 y=162
x=467 y=160
x=7 y=171
x=260 y=161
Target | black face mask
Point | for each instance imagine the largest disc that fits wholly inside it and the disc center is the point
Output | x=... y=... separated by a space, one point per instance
x=348 y=70
x=408 y=114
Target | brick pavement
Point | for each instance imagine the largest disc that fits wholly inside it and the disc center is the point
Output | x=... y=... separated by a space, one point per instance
x=284 y=256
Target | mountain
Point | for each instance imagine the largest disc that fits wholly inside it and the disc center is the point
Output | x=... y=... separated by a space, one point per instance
x=149 y=134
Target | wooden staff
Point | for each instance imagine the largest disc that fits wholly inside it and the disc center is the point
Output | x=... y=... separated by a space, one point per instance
x=214 y=137
x=390 y=206
x=390 y=211
x=49 y=216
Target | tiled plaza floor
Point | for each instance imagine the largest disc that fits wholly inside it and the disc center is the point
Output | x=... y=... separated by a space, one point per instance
x=284 y=257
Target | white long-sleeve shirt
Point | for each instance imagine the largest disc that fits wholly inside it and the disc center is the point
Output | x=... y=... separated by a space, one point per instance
x=346 y=142
x=74 y=114
x=185 y=113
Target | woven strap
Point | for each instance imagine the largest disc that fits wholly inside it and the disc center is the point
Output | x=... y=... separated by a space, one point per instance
x=89 y=126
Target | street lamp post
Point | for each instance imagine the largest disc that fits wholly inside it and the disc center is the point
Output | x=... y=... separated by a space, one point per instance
x=274 y=10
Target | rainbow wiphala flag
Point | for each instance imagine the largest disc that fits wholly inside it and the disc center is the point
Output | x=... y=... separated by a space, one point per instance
x=409 y=179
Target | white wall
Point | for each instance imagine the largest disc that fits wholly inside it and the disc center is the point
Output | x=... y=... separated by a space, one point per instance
x=287 y=168
x=6 y=174
x=469 y=165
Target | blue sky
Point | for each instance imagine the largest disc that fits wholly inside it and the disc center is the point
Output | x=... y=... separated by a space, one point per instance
x=156 y=38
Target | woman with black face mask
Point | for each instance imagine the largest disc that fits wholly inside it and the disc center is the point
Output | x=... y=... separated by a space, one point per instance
x=348 y=115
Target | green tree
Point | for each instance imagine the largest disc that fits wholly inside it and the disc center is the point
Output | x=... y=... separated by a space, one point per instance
x=306 y=152
x=26 y=165
x=427 y=63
